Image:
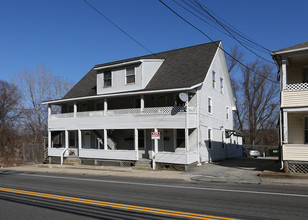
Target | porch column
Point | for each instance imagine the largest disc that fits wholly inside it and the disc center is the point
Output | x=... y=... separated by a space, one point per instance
x=174 y=139
x=105 y=140
x=155 y=150
x=49 y=139
x=49 y=110
x=75 y=109
x=186 y=128
x=198 y=128
x=79 y=140
x=105 y=106
x=142 y=103
x=284 y=74
x=66 y=139
x=285 y=127
x=136 y=143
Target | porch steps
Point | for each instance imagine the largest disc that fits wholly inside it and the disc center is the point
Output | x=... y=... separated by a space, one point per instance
x=143 y=164
x=72 y=161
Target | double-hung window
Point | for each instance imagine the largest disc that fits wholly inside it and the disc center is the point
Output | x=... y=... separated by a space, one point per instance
x=221 y=85
x=209 y=107
x=107 y=78
x=130 y=75
x=213 y=79
x=227 y=113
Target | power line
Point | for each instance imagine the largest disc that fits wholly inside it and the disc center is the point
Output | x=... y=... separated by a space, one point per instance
x=214 y=41
x=218 y=22
x=114 y=24
x=239 y=33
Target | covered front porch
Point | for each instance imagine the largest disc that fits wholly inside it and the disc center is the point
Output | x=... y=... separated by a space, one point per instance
x=175 y=146
x=295 y=134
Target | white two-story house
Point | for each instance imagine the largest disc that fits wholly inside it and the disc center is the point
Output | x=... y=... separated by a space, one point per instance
x=293 y=65
x=112 y=112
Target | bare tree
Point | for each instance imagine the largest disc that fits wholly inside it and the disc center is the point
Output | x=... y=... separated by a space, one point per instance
x=236 y=56
x=258 y=100
x=36 y=87
x=9 y=115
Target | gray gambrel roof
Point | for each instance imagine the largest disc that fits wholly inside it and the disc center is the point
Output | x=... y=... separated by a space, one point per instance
x=181 y=68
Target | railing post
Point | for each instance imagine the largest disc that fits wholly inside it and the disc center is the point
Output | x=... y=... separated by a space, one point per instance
x=142 y=103
x=79 y=140
x=75 y=109
x=105 y=140
x=105 y=106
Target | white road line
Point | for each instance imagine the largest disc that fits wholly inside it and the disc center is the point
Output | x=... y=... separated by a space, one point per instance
x=167 y=186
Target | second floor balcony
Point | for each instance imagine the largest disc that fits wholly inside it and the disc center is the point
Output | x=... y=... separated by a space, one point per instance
x=144 y=112
x=295 y=95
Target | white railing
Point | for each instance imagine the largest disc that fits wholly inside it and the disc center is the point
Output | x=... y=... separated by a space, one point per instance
x=64 y=115
x=131 y=111
x=62 y=155
x=297 y=87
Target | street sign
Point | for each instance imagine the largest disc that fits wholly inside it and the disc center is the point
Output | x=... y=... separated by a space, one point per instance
x=155 y=135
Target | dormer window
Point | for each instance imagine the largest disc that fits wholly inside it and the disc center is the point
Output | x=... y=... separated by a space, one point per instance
x=107 y=78
x=130 y=75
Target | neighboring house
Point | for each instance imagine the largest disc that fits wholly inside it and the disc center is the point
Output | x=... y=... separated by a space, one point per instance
x=111 y=112
x=293 y=65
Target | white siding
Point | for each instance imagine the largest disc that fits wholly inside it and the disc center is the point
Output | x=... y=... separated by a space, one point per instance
x=217 y=119
x=143 y=74
x=108 y=154
x=294 y=99
x=295 y=152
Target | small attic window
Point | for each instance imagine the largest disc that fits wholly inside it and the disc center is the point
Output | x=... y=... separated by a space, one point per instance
x=107 y=78
x=130 y=75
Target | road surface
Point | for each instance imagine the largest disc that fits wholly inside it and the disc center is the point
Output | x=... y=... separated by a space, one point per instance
x=52 y=196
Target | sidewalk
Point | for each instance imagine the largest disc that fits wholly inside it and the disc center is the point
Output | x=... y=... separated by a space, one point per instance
x=245 y=171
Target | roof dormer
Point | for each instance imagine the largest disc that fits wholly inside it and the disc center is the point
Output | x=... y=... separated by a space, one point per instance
x=126 y=76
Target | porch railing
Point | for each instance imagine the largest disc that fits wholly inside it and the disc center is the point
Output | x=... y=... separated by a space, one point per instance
x=297 y=87
x=169 y=110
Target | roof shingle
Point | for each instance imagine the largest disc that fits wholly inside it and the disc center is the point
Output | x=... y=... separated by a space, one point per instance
x=181 y=68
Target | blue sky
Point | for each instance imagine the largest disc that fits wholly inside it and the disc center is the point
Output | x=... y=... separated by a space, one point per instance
x=69 y=38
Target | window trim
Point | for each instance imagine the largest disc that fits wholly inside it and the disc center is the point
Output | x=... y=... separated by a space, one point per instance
x=221 y=85
x=210 y=105
x=134 y=68
x=227 y=113
x=107 y=78
x=213 y=79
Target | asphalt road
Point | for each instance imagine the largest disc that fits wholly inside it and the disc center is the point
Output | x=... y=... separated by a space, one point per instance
x=51 y=196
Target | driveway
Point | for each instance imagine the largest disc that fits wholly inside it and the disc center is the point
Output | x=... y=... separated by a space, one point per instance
x=245 y=170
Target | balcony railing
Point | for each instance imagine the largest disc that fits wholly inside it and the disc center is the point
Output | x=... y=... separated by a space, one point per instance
x=168 y=110
x=297 y=87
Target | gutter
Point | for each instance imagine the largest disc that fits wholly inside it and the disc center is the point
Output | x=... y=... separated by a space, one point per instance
x=120 y=94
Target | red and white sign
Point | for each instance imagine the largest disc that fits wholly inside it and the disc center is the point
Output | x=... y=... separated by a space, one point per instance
x=155 y=135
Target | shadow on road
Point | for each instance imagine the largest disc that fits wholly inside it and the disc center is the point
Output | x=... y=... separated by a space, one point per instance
x=257 y=164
